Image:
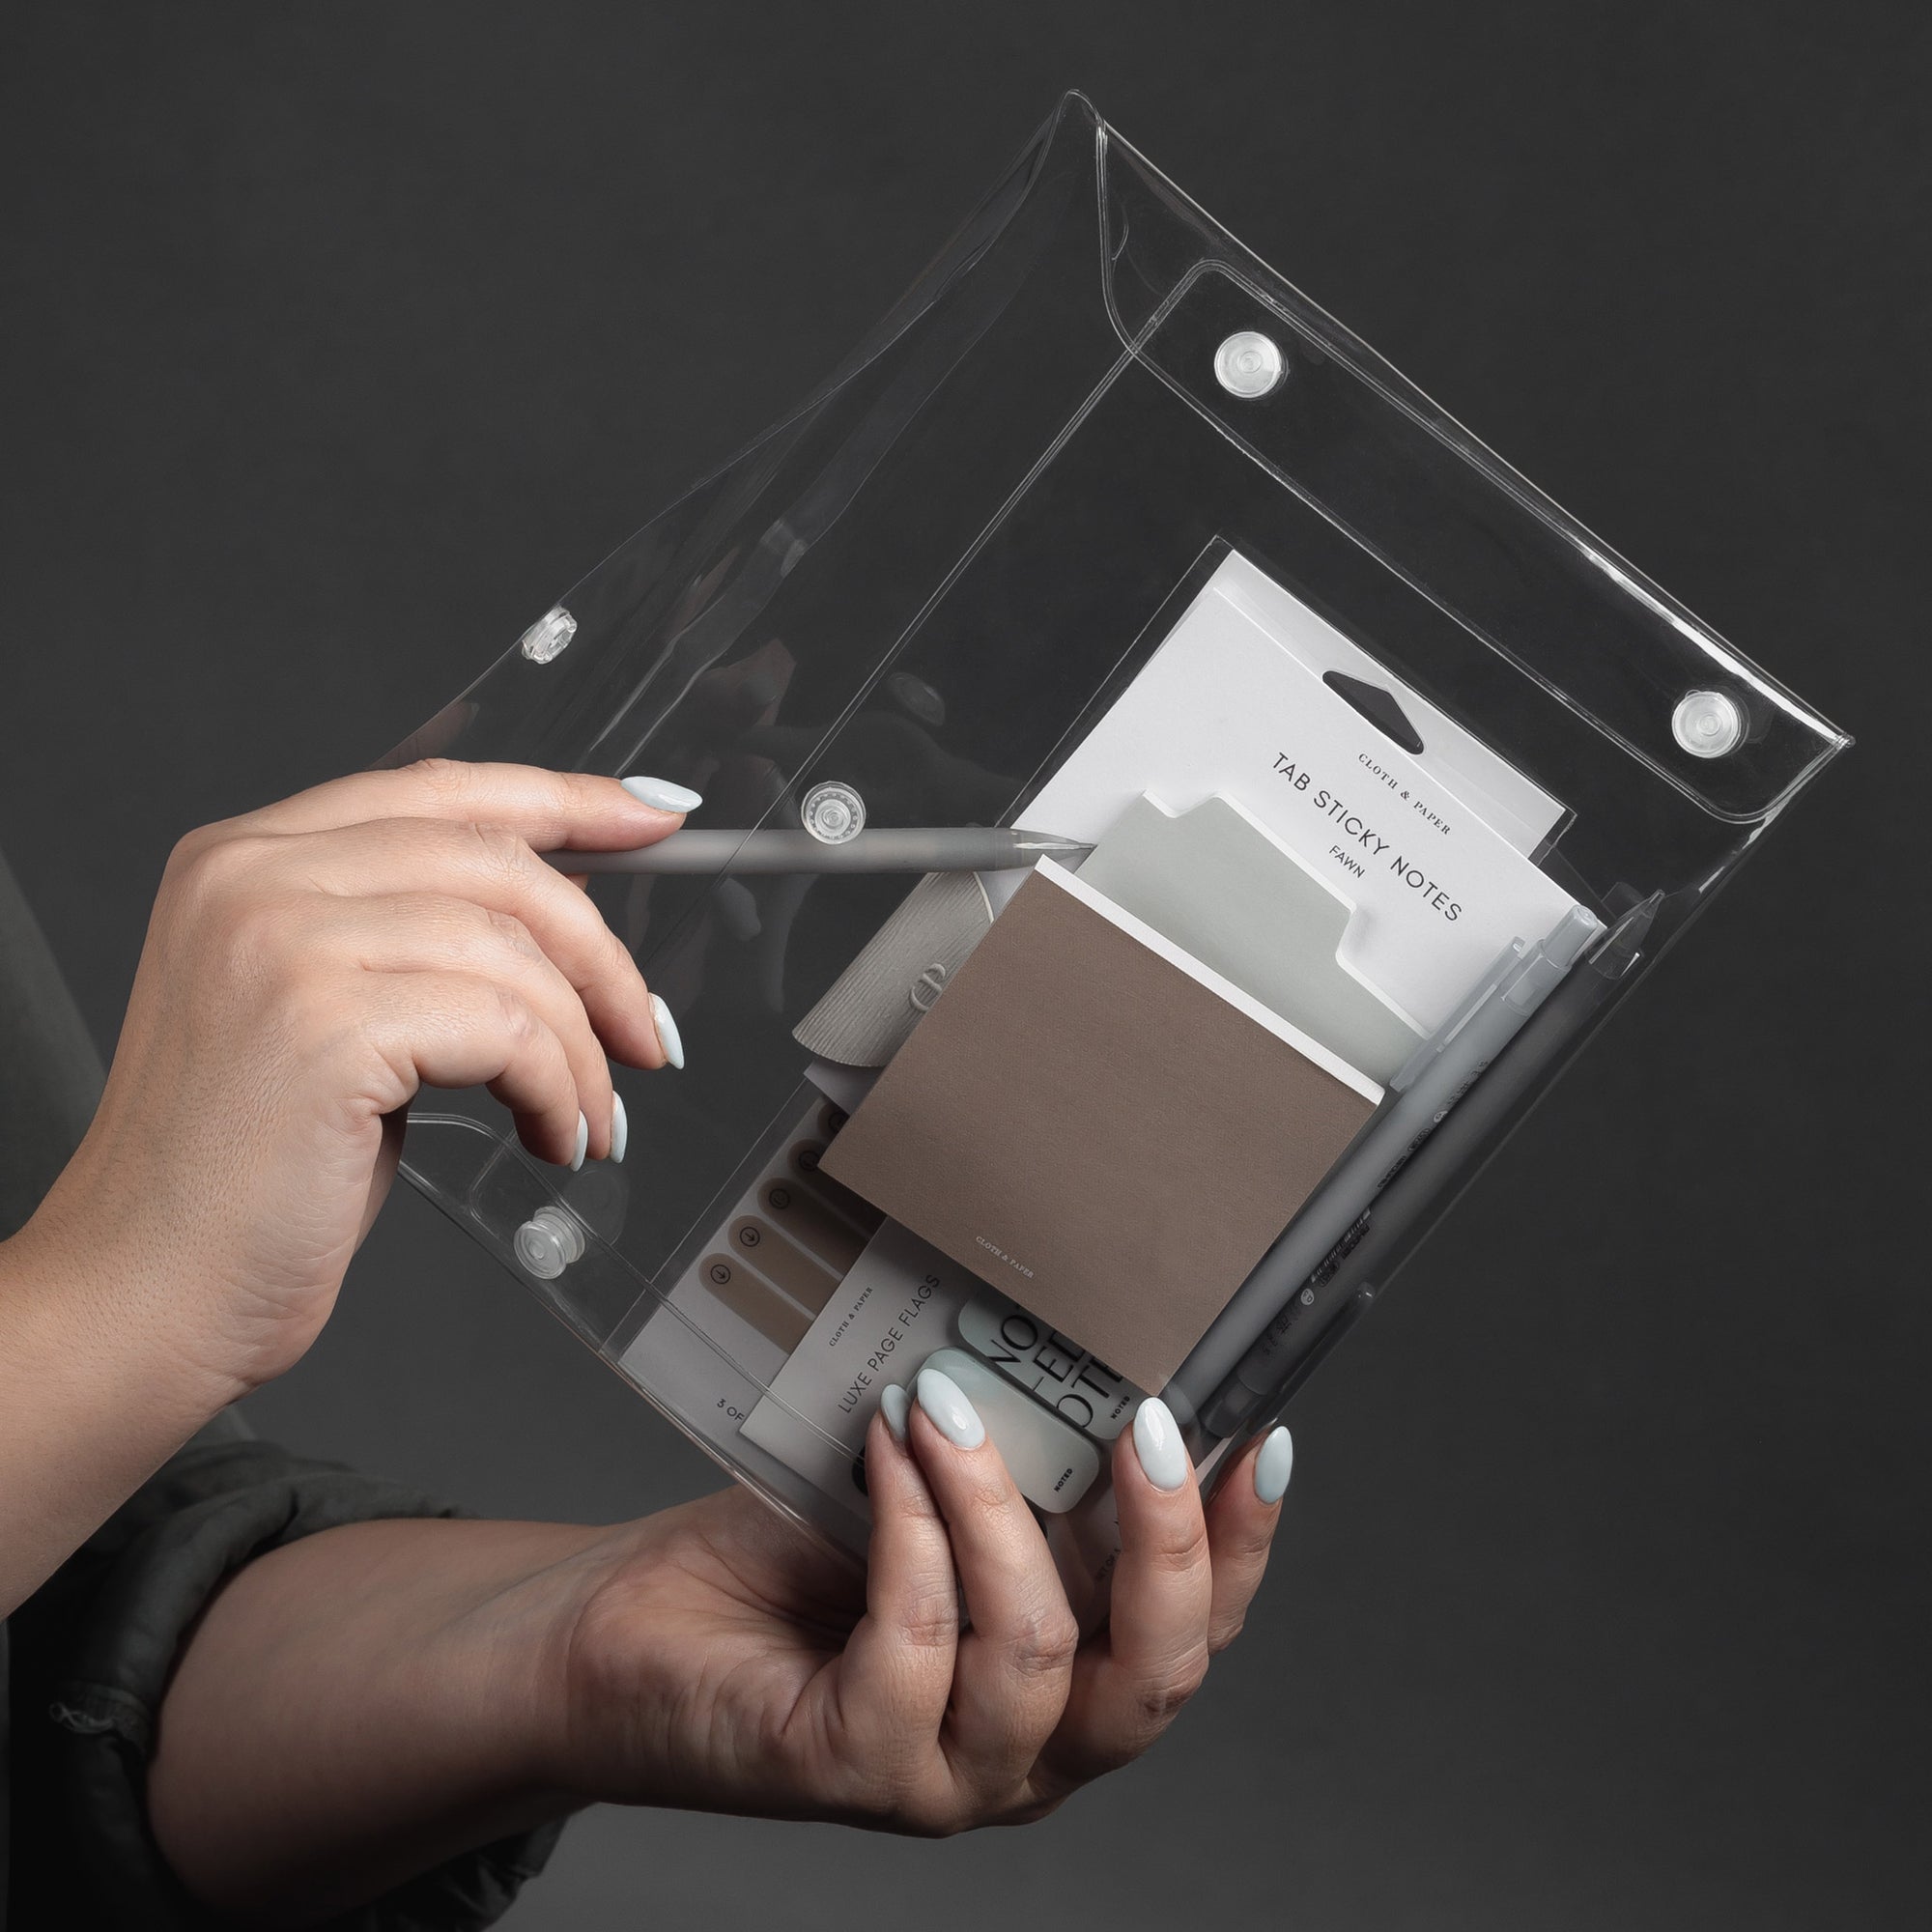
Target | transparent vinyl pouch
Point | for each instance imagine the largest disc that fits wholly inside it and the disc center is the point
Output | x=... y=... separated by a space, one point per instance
x=924 y=588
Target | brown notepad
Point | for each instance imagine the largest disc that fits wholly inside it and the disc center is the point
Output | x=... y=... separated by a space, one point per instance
x=1103 y=1128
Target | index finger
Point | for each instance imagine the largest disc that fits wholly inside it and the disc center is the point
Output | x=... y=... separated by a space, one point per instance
x=550 y=810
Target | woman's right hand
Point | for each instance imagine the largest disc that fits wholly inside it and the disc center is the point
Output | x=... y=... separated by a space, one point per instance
x=307 y=969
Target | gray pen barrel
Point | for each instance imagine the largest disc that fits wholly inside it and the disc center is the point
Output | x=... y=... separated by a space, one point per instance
x=887 y=849
x=1486 y=1022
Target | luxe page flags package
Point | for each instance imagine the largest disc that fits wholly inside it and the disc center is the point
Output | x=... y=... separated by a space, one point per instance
x=1117 y=638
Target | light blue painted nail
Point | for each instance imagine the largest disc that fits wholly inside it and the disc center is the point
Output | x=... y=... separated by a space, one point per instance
x=947 y=1409
x=1157 y=1441
x=620 y=1127
x=583 y=1144
x=896 y=1407
x=1274 y=1466
x=660 y=795
x=669 y=1036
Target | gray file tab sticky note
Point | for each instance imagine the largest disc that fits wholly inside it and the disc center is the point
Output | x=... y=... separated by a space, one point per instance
x=1218 y=884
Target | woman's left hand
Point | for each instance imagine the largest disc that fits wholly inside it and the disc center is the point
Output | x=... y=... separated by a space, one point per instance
x=361 y=1704
x=725 y=1663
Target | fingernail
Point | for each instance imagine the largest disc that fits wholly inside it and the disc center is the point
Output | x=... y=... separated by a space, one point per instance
x=1157 y=1441
x=669 y=1036
x=620 y=1127
x=660 y=795
x=947 y=1409
x=1274 y=1466
x=583 y=1144
x=895 y=1406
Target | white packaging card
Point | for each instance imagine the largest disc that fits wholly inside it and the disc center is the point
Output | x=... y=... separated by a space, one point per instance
x=1225 y=707
x=1456 y=759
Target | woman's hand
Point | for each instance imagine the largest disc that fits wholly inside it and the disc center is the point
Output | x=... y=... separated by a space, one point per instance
x=727 y=1664
x=307 y=969
x=365 y=1703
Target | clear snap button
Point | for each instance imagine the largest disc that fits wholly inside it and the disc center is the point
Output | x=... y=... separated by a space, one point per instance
x=1248 y=364
x=833 y=813
x=1707 y=723
x=547 y=1242
x=548 y=635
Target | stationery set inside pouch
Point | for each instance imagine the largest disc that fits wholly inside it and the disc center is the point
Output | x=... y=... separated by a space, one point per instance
x=1374 y=784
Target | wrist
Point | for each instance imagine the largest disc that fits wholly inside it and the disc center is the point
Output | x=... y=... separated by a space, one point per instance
x=506 y=1659
x=127 y=1286
x=567 y=1744
x=367 y=1702
x=91 y=1405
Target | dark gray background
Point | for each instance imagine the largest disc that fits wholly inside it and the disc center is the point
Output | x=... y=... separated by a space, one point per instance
x=340 y=339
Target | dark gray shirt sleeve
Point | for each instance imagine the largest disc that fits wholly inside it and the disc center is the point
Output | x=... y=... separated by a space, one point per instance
x=90 y=1659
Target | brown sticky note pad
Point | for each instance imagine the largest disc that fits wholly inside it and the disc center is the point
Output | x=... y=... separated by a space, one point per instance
x=1100 y=1127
